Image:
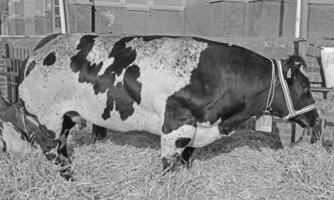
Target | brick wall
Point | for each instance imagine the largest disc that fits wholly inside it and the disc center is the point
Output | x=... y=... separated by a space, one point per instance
x=122 y=21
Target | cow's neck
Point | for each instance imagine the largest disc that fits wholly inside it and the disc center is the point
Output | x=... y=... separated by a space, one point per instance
x=276 y=95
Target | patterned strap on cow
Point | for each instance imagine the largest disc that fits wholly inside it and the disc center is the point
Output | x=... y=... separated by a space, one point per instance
x=24 y=121
x=271 y=93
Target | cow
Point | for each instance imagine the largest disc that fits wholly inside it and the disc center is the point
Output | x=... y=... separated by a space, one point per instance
x=190 y=91
x=21 y=132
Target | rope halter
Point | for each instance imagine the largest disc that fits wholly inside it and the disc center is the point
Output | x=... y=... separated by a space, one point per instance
x=292 y=112
x=28 y=136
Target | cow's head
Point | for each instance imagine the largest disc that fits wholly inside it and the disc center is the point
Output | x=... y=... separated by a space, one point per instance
x=33 y=131
x=299 y=89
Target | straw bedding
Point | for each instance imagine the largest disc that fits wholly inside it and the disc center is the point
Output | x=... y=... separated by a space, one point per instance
x=248 y=165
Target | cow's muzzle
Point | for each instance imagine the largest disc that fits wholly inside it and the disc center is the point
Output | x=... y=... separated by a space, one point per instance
x=172 y=163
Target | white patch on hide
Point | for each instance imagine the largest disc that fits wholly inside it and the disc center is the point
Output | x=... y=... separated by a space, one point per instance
x=106 y=63
x=168 y=147
x=119 y=79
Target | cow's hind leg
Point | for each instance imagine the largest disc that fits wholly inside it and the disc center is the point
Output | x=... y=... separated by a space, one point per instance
x=98 y=132
x=178 y=129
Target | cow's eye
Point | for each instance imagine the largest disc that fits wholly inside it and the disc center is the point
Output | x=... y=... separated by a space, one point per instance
x=306 y=88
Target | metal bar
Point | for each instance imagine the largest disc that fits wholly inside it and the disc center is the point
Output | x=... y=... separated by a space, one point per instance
x=320 y=89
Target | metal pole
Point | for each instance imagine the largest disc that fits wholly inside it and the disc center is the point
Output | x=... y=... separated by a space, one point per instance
x=298 y=18
x=62 y=16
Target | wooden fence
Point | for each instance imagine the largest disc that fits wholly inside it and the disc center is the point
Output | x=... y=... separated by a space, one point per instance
x=12 y=62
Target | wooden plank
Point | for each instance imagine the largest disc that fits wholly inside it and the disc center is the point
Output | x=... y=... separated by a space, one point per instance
x=195 y=2
x=245 y=20
x=281 y=18
x=320 y=89
x=321 y=2
x=166 y=7
x=242 y=1
x=328 y=123
x=9 y=73
x=304 y=20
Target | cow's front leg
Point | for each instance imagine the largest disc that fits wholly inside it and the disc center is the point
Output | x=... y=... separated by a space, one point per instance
x=186 y=156
x=98 y=132
x=173 y=145
x=228 y=125
x=70 y=119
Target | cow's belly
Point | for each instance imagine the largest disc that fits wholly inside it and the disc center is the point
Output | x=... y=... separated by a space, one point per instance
x=50 y=96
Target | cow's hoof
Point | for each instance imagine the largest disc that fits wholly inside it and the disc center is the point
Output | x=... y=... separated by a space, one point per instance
x=172 y=163
x=187 y=163
x=165 y=164
x=67 y=173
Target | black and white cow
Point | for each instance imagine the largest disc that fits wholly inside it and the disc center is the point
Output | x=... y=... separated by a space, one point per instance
x=21 y=132
x=188 y=90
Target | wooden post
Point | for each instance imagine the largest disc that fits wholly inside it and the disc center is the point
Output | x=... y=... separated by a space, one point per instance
x=304 y=28
x=245 y=20
x=281 y=19
x=293 y=133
